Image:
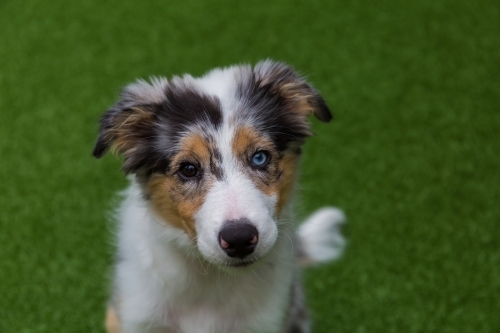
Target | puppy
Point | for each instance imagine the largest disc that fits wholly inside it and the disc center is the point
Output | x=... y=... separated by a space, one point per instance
x=206 y=235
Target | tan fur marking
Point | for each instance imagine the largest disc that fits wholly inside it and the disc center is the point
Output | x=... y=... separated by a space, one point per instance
x=163 y=189
x=288 y=165
x=246 y=139
x=271 y=188
x=174 y=200
x=299 y=97
x=112 y=323
x=125 y=128
x=197 y=145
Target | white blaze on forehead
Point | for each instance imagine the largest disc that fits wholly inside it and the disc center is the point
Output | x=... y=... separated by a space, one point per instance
x=222 y=83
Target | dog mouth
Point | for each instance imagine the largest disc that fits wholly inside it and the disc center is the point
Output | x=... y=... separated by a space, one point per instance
x=242 y=264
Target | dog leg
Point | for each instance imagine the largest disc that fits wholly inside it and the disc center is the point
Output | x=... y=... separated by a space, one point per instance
x=298 y=319
x=112 y=322
x=319 y=236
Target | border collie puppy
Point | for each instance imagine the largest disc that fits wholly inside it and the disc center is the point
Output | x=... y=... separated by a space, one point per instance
x=206 y=234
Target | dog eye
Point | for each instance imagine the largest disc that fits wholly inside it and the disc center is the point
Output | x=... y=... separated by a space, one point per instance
x=188 y=170
x=260 y=159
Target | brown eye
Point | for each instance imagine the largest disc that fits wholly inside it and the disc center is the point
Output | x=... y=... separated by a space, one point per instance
x=188 y=171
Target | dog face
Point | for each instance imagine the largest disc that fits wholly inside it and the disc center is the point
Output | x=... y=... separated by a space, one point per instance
x=216 y=156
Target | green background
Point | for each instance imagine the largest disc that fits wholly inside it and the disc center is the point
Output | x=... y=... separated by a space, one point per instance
x=412 y=156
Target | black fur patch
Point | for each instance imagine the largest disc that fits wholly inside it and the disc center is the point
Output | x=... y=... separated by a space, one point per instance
x=273 y=111
x=183 y=107
x=215 y=164
x=153 y=138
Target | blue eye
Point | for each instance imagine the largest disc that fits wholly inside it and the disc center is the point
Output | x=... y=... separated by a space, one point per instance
x=260 y=159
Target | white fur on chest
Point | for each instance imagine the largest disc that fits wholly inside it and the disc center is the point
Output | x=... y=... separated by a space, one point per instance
x=160 y=289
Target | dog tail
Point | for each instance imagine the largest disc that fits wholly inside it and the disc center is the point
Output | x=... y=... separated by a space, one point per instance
x=319 y=237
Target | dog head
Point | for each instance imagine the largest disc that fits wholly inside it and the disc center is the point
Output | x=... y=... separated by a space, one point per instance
x=216 y=156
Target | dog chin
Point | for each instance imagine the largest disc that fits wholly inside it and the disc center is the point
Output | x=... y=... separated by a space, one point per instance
x=240 y=267
x=242 y=264
x=233 y=265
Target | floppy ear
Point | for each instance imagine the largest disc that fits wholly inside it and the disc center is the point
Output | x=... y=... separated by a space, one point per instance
x=130 y=122
x=284 y=81
x=122 y=129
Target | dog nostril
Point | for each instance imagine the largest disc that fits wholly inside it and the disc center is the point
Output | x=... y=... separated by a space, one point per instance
x=224 y=244
x=253 y=240
x=238 y=238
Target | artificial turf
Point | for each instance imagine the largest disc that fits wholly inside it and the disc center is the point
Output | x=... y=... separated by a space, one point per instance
x=412 y=156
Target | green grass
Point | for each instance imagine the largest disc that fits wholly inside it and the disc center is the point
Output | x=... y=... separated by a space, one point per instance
x=413 y=155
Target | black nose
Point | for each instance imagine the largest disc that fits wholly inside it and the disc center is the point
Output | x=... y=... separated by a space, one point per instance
x=238 y=238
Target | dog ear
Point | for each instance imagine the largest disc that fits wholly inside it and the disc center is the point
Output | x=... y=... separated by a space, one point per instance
x=122 y=129
x=129 y=123
x=282 y=80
